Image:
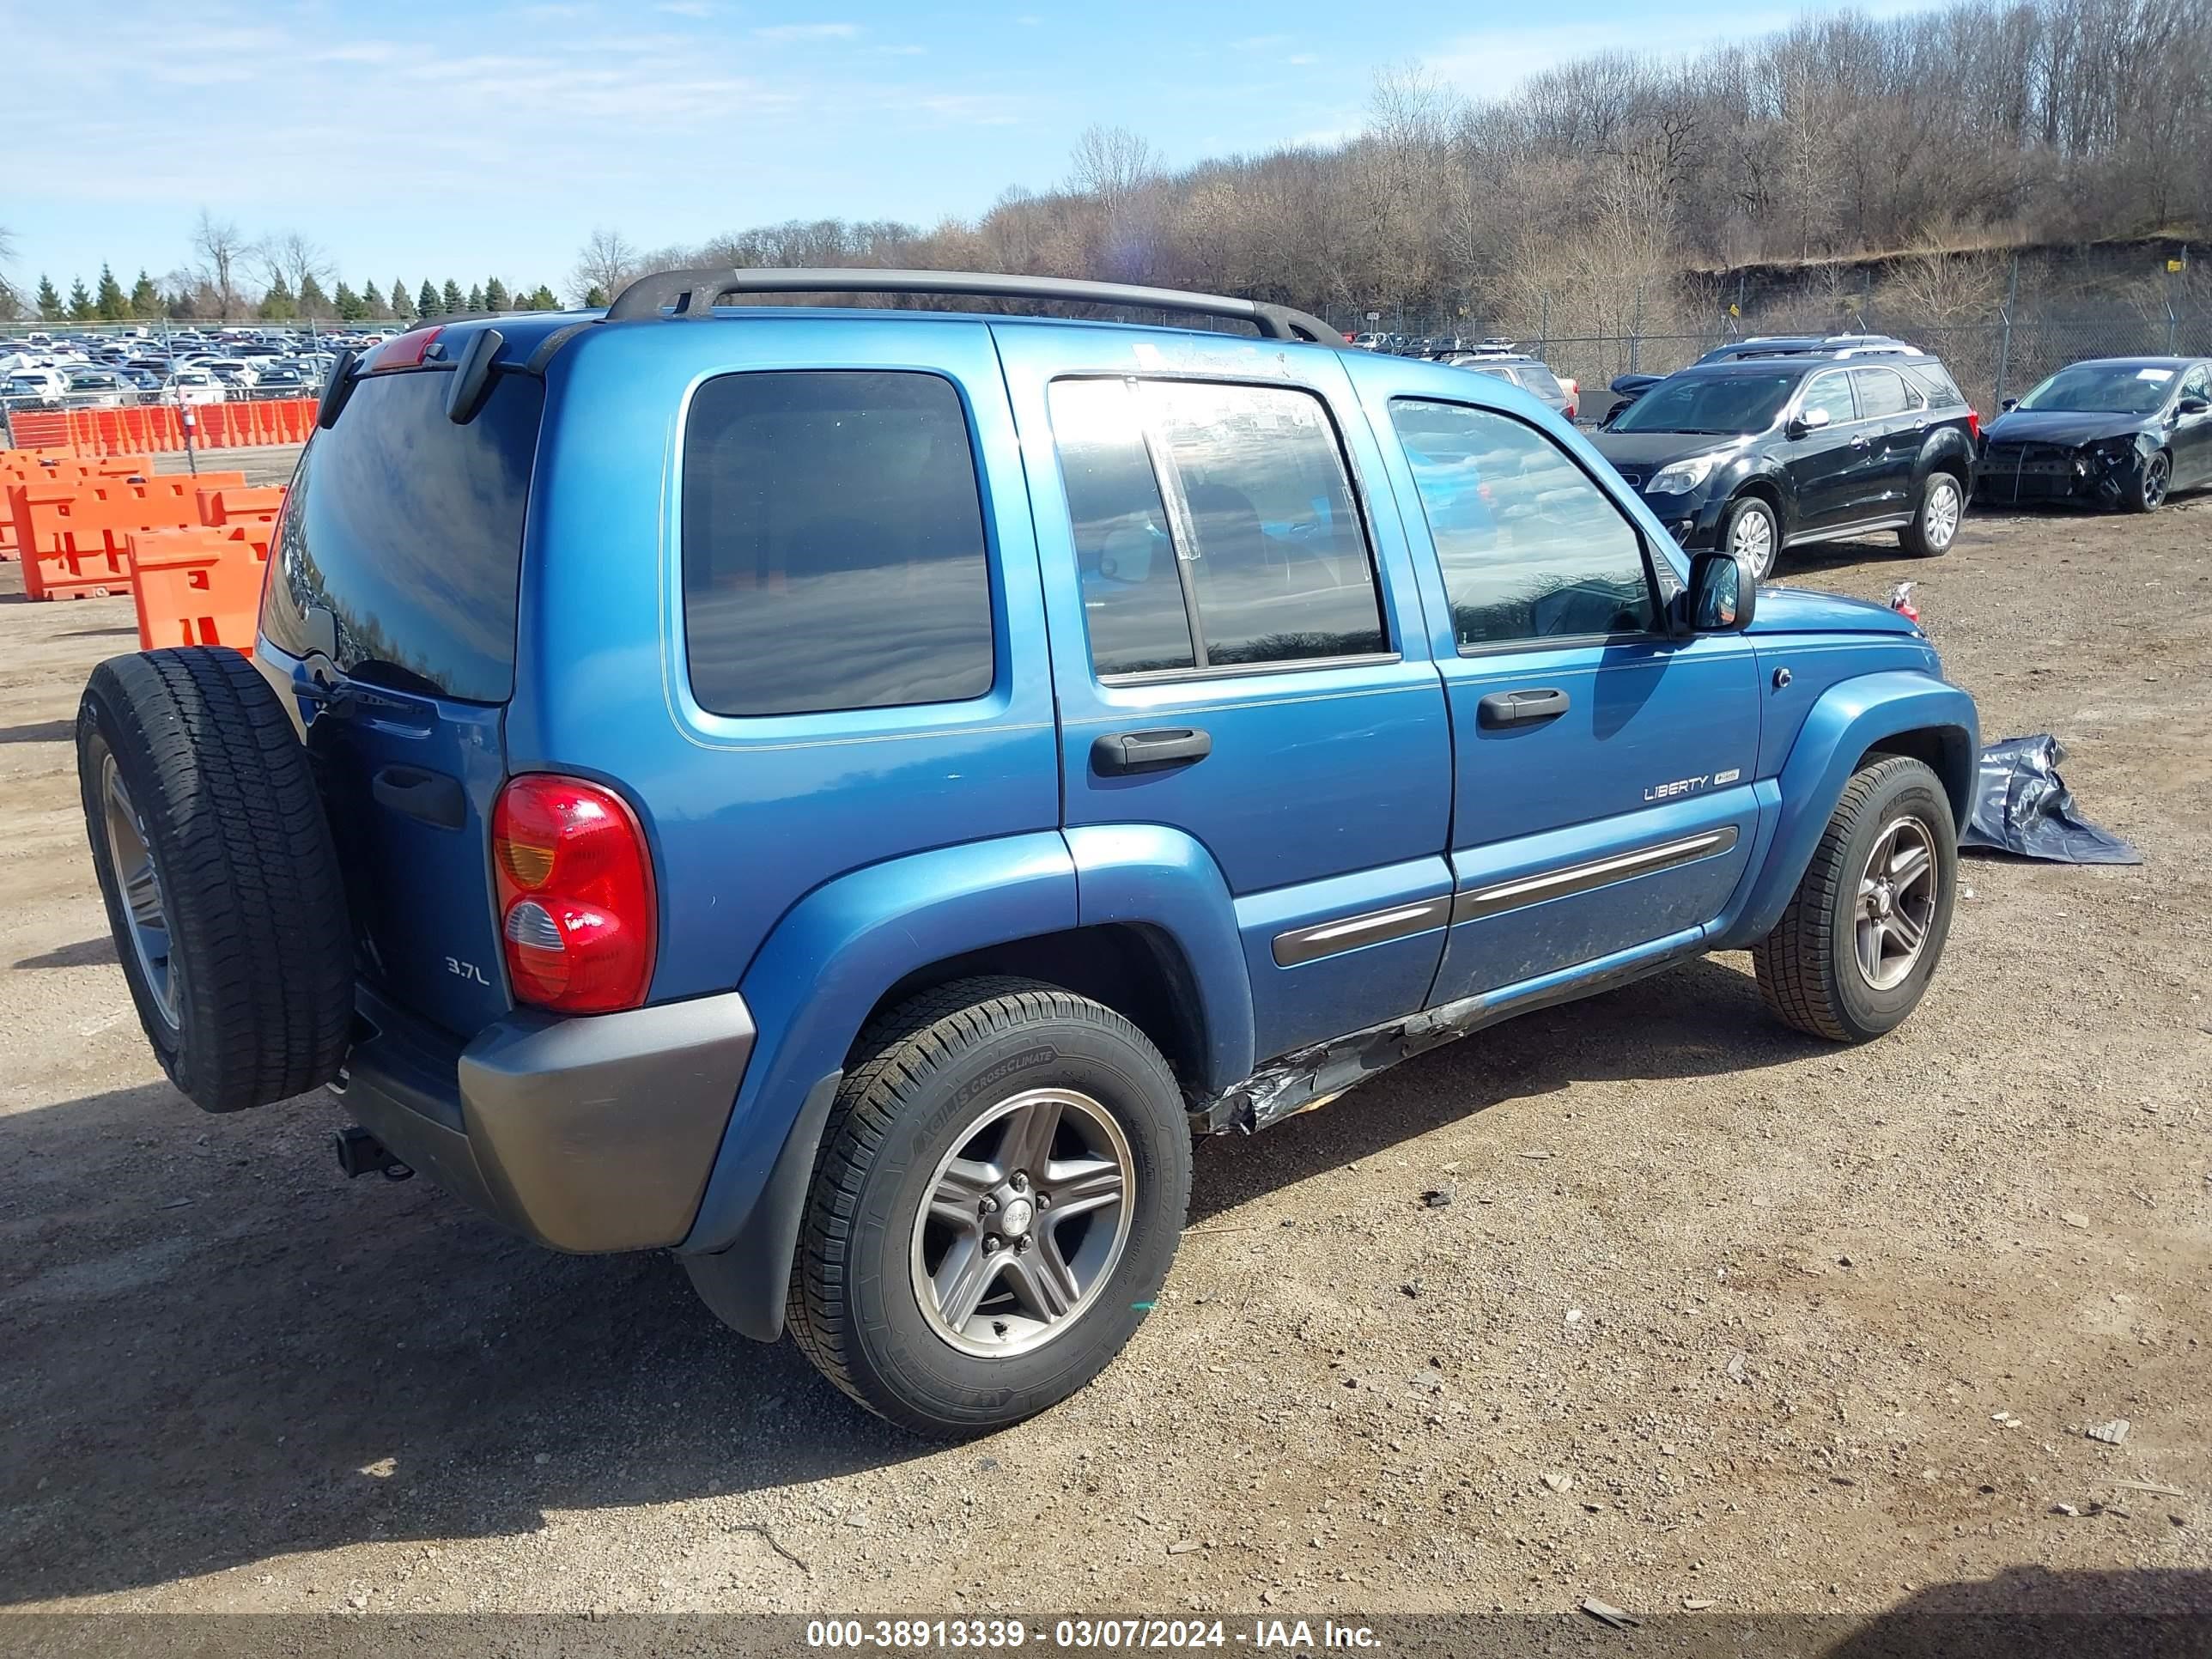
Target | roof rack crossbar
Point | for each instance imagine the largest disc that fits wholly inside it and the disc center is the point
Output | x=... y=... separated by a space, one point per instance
x=694 y=292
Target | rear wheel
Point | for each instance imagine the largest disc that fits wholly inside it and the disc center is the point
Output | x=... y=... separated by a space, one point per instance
x=1000 y=1190
x=216 y=863
x=1853 y=953
x=1935 y=524
x=2148 y=493
x=1752 y=533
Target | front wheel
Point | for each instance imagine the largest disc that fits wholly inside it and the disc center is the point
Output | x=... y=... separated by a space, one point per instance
x=1935 y=524
x=1001 y=1187
x=1753 y=534
x=2148 y=493
x=1852 y=955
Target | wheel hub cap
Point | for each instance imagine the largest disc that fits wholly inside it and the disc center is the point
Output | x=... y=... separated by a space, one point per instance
x=1014 y=1218
x=130 y=854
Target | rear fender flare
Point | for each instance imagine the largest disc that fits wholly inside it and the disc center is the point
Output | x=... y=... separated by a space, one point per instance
x=1851 y=717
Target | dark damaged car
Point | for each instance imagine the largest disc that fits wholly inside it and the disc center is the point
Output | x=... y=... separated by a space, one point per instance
x=2119 y=433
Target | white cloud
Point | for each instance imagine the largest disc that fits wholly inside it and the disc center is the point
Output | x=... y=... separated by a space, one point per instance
x=783 y=32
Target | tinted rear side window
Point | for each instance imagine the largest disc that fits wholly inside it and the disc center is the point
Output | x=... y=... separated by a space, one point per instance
x=408 y=530
x=833 y=544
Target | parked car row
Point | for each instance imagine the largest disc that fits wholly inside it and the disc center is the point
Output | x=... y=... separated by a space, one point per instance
x=50 y=371
x=1764 y=445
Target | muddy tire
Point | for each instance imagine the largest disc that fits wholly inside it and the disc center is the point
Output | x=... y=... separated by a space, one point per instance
x=1854 y=952
x=222 y=888
x=1000 y=1189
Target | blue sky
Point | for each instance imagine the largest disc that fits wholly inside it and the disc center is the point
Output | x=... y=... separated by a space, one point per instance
x=478 y=137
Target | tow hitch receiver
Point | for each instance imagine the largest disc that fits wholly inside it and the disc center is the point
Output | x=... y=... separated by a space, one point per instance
x=361 y=1153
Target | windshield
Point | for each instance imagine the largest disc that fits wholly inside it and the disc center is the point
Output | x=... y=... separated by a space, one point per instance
x=2103 y=389
x=1710 y=404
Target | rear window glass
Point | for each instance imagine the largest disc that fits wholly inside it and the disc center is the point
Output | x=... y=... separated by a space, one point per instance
x=408 y=530
x=834 y=555
x=1934 y=382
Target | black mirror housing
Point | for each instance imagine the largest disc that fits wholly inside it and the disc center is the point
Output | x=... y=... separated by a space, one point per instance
x=1719 y=599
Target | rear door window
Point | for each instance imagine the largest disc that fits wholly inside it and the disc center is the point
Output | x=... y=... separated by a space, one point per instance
x=1214 y=525
x=833 y=553
x=407 y=529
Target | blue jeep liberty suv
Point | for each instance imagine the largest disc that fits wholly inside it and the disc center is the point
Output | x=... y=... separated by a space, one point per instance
x=843 y=795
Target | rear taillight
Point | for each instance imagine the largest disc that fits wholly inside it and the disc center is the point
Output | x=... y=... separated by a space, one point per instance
x=575 y=895
x=1974 y=424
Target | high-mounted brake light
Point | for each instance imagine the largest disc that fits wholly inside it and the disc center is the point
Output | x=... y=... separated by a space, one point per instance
x=577 y=905
x=405 y=350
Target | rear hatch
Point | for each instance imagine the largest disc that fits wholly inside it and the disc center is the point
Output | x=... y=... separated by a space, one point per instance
x=390 y=610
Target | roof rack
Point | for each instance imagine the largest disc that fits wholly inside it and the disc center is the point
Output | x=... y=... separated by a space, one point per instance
x=694 y=292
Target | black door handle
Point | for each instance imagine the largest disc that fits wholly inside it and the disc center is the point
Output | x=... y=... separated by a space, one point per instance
x=431 y=797
x=1520 y=708
x=1122 y=752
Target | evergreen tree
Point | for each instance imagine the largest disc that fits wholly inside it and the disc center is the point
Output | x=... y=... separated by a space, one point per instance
x=80 y=308
x=11 y=303
x=372 y=304
x=349 y=305
x=50 y=302
x=476 y=299
x=313 y=303
x=453 y=302
x=543 y=299
x=427 y=303
x=108 y=300
x=279 y=304
x=145 y=298
x=496 y=296
x=595 y=295
x=402 y=307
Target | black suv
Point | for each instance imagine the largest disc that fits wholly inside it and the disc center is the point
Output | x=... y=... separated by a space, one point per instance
x=1767 y=452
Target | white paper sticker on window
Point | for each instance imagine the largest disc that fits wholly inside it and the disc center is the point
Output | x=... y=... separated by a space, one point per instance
x=2159 y=374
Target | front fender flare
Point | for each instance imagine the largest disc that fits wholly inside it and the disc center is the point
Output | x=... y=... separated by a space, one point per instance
x=1850 y=717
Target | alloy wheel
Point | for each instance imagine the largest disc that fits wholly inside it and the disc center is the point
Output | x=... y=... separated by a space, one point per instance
x=1939 y=517
x=2155 y=472
x=1752 y=540
x=1896 y=906
x=1024 y=1222
x=140 y=879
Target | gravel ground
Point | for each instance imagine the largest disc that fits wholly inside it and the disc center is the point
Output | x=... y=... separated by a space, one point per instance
x=1718 y=1313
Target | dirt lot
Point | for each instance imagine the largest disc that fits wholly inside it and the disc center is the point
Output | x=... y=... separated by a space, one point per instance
x=1718 y=1313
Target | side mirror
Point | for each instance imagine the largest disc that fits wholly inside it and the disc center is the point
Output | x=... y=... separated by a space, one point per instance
x=2191 y=406
x=1719 y=599
x=1806 y=421
x=2007 y=405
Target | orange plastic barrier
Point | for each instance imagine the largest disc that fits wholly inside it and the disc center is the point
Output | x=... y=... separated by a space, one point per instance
x=89 y=433
x=196 y=587
x=234 y=506
x=73 y=538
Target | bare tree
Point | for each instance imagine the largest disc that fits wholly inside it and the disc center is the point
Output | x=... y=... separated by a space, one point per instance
x=1112 y=164
x=290 y=259
x=606 y=262
x=221 y=248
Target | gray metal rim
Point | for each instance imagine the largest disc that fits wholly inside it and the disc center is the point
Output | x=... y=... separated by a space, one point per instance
x=1939 y=516
x=1024 y=1222
x=2155 y=472
x=1751 y=538
x=1896 y=908
x=139 y=877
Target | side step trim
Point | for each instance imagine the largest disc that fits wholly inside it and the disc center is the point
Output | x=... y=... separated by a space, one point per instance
x=1504 y=896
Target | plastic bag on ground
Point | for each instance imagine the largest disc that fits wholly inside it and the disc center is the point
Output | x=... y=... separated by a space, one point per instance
x=2022 y=806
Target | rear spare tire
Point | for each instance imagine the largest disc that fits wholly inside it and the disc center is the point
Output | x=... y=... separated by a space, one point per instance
x=222 y=888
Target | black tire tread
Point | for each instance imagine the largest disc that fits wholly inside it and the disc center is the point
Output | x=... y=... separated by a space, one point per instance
x=1794 y=979
x=1911 y=539
x=247 y=867
x=903 y=1047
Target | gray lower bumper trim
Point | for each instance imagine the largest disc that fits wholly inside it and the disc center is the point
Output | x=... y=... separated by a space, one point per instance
x=591 y=1133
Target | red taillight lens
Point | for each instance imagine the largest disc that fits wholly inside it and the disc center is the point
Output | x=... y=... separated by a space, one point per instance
x=405 y=350
x=1974 y=424
x=575 y=895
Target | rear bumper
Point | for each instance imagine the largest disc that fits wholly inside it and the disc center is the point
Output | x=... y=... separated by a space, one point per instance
x=586 y=1134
